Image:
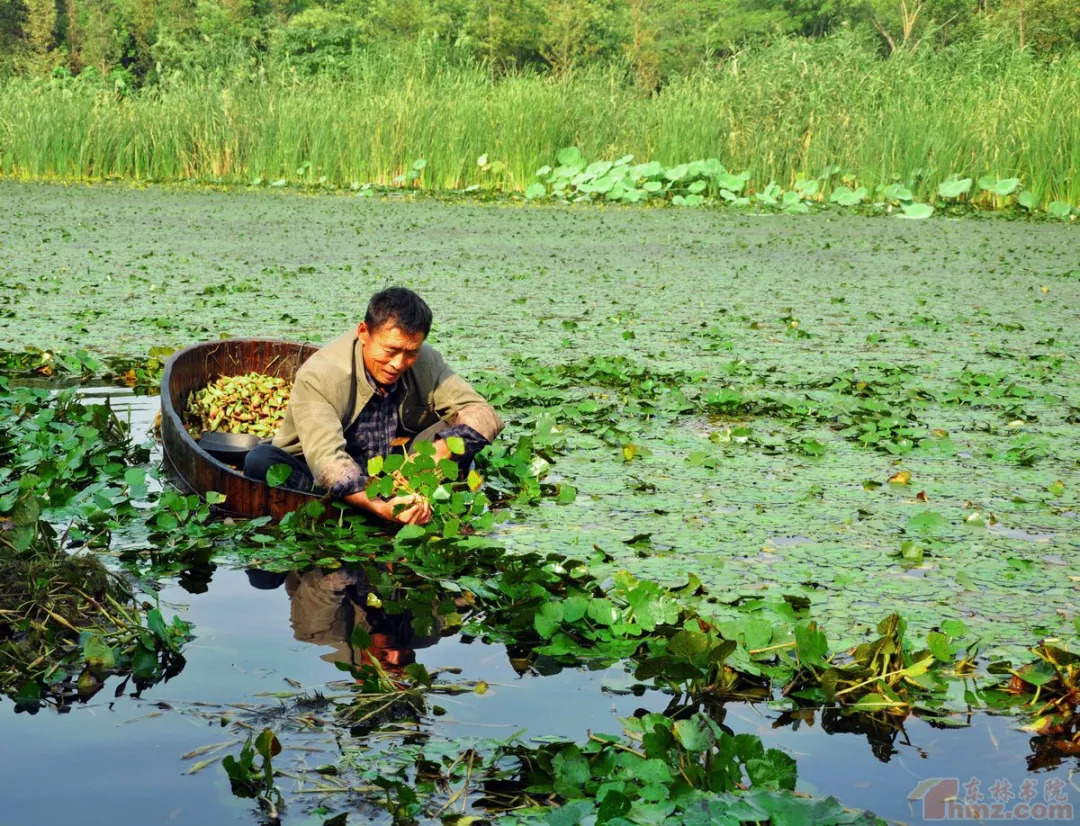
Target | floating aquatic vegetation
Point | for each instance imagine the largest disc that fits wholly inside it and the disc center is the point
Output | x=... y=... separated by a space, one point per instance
x=66 y=622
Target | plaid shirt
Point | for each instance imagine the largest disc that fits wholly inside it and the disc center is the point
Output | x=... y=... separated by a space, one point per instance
x=376 y=428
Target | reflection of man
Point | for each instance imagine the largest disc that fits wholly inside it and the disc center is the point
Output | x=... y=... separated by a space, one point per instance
x=353 y=398
x=324 y=608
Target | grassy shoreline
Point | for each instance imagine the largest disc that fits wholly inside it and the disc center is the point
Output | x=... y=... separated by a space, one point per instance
x=793 y=110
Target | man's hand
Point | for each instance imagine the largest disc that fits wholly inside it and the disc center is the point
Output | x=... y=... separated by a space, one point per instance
x=442 y=450
x=416 y=510
x=409 y=510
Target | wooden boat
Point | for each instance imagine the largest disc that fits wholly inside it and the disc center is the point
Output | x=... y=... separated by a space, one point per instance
x=192 y=468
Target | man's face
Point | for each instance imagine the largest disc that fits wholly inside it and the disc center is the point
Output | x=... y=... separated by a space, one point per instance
x=388 y=351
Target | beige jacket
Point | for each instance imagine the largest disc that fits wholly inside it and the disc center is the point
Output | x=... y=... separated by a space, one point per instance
x=316 y=419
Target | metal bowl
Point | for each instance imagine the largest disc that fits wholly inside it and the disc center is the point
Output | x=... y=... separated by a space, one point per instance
x=228 y=447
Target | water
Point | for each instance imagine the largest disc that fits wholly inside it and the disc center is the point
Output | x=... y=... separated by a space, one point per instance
x=120 y=757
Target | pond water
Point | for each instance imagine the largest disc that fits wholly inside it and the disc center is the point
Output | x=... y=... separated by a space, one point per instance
x=260 y=634
x=973 y=324
x=122 y=757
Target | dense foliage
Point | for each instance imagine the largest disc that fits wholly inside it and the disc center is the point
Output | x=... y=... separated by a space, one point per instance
x=145 y=39
x=793 y=110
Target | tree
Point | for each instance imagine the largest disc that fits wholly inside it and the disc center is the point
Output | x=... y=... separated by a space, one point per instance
x=671 y=37
x=506 y=32
x=643 y=48
x=745 y=20
x=580 y=30
x=40 y=33
x=1045 y=26
x=906 y=23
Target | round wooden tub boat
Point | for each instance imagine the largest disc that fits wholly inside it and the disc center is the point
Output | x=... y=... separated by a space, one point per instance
x=192 y=468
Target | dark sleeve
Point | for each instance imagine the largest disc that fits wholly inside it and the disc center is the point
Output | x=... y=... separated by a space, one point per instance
x=474 y=442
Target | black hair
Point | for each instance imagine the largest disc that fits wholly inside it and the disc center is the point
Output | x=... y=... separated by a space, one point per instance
x=401 y=308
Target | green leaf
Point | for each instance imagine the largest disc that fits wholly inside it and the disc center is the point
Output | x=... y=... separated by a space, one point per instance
x=874 y=702
x=847 y=197
x=360 y=639
x=410 y=532
x=451 y=526
x=156 y=624
x=548 y=619
x=954 y=628
x=927 y=523
x=135 y=477
x=566 y=494
x=574 y=608
x=954 y=187
x=535 y=190
x=374 y=465
x=688 y=644
x=694 y=735
x=214 y=498
x=773 y=770
x=449 y=469
x=912 y=552
x=456 y=445
x=568 y=156
x=1006 y=186
x=1027 y=199
x=811 y=644
x=1038 y=673
x=267 y=744
x=97 y=653
x=144 y=663
x=938 y=644
x=602 y=611
x=572 y=813
x=278 y=474
x=571 y=771
x=29 y=694
x=916 y=211
x=614 y=804
x=418 y=674
x=677 y=172
x=1059 y=209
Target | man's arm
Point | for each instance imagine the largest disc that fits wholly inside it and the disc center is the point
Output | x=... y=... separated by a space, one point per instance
x=465 y=411
x=322 y=439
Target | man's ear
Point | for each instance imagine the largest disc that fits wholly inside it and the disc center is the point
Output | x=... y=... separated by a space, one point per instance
x=362 y=332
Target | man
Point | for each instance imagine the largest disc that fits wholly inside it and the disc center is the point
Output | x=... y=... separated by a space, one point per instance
x=365 y=389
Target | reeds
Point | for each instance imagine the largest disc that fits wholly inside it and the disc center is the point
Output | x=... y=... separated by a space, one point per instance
x=792 y=109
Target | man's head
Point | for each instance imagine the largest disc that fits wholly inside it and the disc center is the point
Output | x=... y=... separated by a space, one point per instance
x=394 y=327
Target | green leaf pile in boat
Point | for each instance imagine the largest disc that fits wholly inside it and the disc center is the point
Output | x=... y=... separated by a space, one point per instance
x=254 y=403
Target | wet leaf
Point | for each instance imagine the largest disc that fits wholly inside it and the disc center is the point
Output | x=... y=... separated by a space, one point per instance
x=927 y=523
x=773 y=770
x=548 y=619
x=694 y=735
x=278 y=474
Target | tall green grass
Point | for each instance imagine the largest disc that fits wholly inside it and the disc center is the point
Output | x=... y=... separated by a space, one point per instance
x=791 y=109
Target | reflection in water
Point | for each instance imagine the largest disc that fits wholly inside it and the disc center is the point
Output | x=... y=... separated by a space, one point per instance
x=881 y=731
x=326 y=607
